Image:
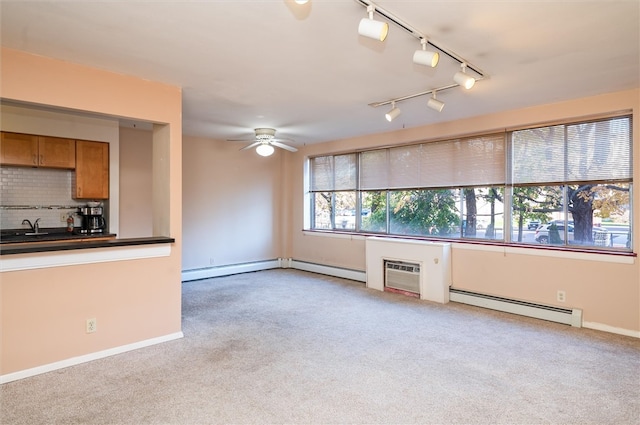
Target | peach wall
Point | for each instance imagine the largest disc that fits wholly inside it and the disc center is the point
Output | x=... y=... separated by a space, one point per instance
x=44 y=311
x=233 y=205
x=136 y=211
x=608 y=293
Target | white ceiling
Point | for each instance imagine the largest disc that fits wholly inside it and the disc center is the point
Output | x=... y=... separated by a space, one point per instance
x=304 y=70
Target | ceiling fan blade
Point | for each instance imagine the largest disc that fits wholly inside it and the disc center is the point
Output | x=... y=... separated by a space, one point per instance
x=250 y=146
x=283 y=146
x=241 y=140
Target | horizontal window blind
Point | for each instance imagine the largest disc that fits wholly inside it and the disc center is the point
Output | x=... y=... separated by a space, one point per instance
x=321 y=173
x=599 y=150
x=329 y=173
x=538 y=155
x=470 y=161
x=374 y=169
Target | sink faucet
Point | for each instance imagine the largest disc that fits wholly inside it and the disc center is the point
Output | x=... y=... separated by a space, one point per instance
x=35 y=227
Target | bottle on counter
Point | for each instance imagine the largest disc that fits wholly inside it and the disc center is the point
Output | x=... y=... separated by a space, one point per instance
x=70 y=223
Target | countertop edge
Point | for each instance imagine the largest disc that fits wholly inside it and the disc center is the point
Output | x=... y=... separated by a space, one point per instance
x=34 y=247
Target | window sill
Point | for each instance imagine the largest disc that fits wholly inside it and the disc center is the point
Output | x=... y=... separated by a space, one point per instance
x=592 y=254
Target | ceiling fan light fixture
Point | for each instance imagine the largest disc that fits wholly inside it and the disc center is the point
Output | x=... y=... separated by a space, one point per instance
x=462 y=78
x=371 y=28
x=265 y=149
x=265 y=133
x=426 y=57
x=302 y=1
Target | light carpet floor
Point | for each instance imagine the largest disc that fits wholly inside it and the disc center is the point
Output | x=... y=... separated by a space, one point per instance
x=290 y=347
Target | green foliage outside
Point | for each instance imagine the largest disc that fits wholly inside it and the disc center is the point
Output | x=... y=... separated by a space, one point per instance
x=415 y=212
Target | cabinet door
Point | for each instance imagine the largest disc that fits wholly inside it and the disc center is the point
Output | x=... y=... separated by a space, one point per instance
x=92 y=170
x=54 y=152
x=19 y=149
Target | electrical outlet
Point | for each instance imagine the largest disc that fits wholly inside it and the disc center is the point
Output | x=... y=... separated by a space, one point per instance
x=211 y=261
x=63 y=217
x=561 y=296
x=92 y=325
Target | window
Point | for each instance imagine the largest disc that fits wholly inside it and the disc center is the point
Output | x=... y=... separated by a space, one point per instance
x=482 y=212
x=564 y=185
x=576 y=181
x=374 y=211
x=423 y=212
x=333 y=189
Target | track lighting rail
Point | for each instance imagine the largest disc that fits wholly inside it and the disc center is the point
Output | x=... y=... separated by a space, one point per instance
x=411 y=96
x=417 y=34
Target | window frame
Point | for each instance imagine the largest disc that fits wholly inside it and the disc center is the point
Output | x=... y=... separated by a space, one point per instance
x=506 y=187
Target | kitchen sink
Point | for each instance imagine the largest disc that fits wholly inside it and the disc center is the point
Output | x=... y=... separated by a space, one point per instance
x=21 y=236
x=46 y=235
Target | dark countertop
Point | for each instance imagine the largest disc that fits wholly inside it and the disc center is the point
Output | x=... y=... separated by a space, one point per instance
x=12 y=242
x=11 y=236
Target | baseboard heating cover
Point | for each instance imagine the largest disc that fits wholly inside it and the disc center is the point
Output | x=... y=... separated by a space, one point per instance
x=344 y=273
x=229 y=269
x=571 y=317
x=280 y=263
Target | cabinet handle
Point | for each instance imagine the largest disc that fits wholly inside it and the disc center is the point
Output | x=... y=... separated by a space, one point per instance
x=42 y=159
x=35 y=159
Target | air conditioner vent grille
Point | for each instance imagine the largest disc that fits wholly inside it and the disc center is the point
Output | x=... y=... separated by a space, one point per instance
x=402 y=275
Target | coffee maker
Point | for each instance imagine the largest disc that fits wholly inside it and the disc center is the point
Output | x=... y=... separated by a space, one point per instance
x=93 y=221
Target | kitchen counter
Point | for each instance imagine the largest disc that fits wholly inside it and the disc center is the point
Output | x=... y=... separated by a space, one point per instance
x=17 y=242
x=47 y=235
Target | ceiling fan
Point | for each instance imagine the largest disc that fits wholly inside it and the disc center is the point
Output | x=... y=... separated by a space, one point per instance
x=265 y=140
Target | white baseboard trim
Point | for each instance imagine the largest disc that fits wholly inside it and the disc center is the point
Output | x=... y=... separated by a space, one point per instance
x=611 y=329
x=87 y=358
x=230 y=269
x=280 y=263
x=358 y=275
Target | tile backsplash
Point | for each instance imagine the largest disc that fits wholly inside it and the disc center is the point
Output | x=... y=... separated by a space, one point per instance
x=32 y=193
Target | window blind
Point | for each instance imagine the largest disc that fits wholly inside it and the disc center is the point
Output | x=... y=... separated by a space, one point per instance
x=599 y=150
x=461 y=162
x=589 y=151
x=329 y=173
x=374 y=169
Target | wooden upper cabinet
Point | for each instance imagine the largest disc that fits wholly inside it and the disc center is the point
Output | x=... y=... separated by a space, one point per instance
x=54 y=152
x=37 y=151
x=19 y=149
x=92 y=170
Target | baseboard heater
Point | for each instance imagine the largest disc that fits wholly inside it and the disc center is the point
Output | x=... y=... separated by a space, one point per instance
x=571 y=317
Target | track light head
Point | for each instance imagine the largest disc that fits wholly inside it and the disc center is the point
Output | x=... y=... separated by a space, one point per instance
x=371 y=28
x=393 y=112
x=265 y=149
x=463 y=79
x=435 y=104
x=426 y=57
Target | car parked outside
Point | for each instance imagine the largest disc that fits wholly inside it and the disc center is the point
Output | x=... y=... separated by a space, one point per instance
x=533 y=225
x=542 y=232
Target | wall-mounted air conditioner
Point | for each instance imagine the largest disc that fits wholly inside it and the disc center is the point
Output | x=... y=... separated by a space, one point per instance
x=428 y=263
x=403 y=276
